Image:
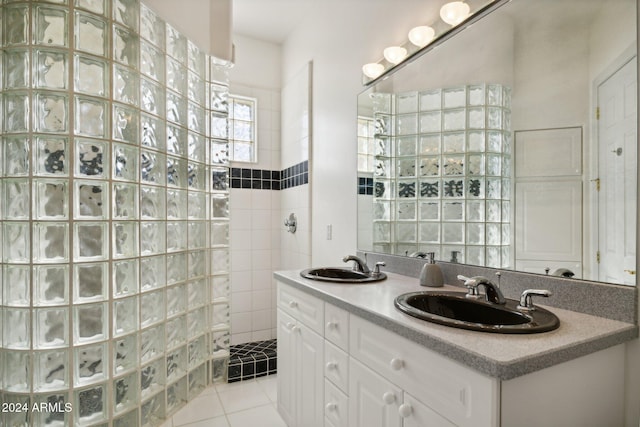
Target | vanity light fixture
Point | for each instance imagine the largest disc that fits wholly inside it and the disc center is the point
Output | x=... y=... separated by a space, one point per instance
x=373 y=70
x=395 y=54
x=422 y=35
x=454 y=12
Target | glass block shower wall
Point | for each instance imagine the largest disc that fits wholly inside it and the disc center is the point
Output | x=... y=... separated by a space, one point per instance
x=442 y=174
x=113 y=215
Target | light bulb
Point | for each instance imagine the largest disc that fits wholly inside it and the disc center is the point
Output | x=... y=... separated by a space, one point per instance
x=395 y=54
x=421 y=36
x=373 y=70
x=455 y=12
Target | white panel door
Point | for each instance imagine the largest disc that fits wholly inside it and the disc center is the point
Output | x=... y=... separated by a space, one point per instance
x=286 y=367
x=373 y=401
x=549 y=220
x=617 y=138
x=548 y=152
x=310 y=378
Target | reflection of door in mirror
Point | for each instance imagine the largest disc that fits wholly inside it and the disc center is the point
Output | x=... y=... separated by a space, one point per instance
x=617 y=138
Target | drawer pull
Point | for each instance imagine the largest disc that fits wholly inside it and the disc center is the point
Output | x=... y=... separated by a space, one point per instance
x=331 y=366
x=332 y=325
x=293 y=304
x=396 y=364
x=331 y=407
x=405 y=410
x=290 y=326
x=389 y=397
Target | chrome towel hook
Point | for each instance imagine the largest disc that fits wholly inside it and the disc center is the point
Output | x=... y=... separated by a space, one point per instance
x=291 y=223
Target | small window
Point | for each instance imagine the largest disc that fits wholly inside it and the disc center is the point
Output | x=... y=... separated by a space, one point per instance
x=242 y=129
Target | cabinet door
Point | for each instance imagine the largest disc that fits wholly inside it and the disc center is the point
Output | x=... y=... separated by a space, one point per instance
x=310 y=377
x=417 y=414
x=286 y=375
x=373 y=401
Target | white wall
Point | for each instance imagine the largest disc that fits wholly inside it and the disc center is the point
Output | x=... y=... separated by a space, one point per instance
x=339 y=41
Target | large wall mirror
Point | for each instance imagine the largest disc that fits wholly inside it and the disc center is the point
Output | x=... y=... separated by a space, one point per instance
x=511 y=144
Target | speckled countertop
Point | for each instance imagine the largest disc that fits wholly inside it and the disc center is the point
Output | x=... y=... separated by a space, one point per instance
x=503 y=356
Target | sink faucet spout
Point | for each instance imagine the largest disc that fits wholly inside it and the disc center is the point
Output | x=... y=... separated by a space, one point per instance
x=358 y=264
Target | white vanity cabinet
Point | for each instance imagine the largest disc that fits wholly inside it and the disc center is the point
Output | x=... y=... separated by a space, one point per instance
x=336 y=369
x=300 y=358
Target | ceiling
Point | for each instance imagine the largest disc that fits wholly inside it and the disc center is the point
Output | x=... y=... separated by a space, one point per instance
x=270 y=20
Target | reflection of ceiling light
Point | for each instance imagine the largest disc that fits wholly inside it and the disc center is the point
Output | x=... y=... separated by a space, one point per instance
x=421 y=36
x=395 y=54
x=455 y=12
x=373 y=70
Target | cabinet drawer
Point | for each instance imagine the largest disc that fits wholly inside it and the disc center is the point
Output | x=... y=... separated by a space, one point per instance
x=460 y=394
x=336 y=406
x=336 y=326
x=418 y=415
x=304 y=307
x=336 y=366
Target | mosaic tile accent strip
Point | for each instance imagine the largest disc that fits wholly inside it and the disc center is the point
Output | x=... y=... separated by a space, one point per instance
x=252 y=360
x=263 y=179
x=365 y=186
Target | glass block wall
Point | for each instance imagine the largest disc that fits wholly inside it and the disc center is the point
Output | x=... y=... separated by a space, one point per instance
x=442 y=174
x=113 y=215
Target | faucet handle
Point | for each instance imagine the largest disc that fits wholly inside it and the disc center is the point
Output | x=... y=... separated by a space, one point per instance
x=472 y=286
x=376 y=270
x=526 y=302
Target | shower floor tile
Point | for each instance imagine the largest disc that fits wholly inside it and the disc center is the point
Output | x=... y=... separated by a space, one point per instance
x=239 y=404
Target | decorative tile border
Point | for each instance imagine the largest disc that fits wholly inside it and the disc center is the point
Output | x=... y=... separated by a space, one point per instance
x=365 y=186
x=262 y=179
x=252 y=360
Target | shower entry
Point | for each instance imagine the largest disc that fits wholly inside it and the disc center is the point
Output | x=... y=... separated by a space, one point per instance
x=114 y=215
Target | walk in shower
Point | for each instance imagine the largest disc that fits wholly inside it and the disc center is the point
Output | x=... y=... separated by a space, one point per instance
x=114 y=215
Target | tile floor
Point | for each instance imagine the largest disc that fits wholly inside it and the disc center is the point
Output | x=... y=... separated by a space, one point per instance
x=239 y=404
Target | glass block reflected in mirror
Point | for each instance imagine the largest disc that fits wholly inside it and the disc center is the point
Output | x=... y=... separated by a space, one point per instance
x=50 y=155
x=220 y=206
x=125 y=351
x=196 y=118
x=125 y=124
x=475 y=234
x=176 y=363
x=176 y=300
x=152 y=308
x=176 y=236
x=196 y=88
x=406 y=211
x=16 y=156
x=152 y=379
x=197 y=352
x=91 y=76
x=151 y=343
x=125 y=316
x=219 y=261
x=197 y=205
x=176 y=268
x=219 y=179
x=90 y=117
x=196 y=59
x=406 y=232
x=196 y=147
x=125 y=278
x=176 y=76
x=152 y=202
x=176 y=203
x=454 y=120
x=196 y=176
x=152 y=237
x=220 y=288
x=125 y=201
x=153 y=167
x=219 y=152
x=51 y=25
x=196 y=322
x=125 y=239
x=176 y=172
x=91 y=282
x=50 y=415
x=126 y=12
x=219 y=126
x=406 y=167
x=452 y=188
x=153 y=272
x=431 y=122
x=196 y=235
x=429 y=232
x=219 y=98
x=125 y=162
x=177 y=394
x=91 y=34
x=90 y=324
x=176 y=108
x=52 y=69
